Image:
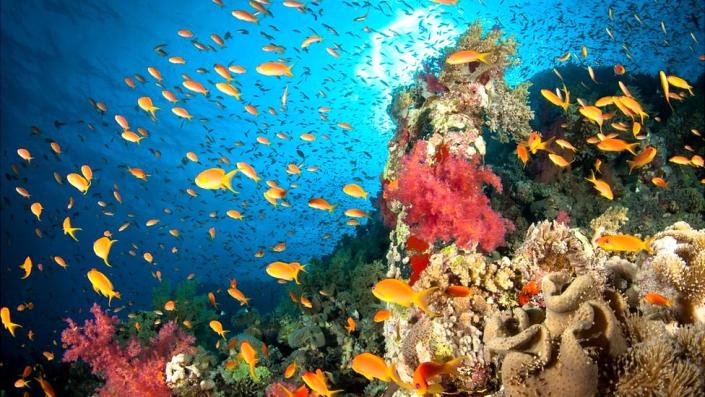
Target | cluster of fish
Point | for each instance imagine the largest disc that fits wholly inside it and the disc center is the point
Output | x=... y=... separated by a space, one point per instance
x=627 y=117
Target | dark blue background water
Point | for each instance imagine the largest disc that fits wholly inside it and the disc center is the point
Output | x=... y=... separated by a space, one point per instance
x=58 y=54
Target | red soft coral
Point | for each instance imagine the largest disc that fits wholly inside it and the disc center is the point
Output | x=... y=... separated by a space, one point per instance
x=128 y=369
x=445 y=200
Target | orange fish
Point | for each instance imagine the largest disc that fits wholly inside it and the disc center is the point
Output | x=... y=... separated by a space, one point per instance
x=373 y=367
x=680 y=160
x=645 y=157
x=558 y=160
x=217 y=327
x=211 y=298
x=305 y=302
x=660 y=182
x=467 y=56
x=321 y=204
x=428 y=370
x=351 y=325
x=601 y=186
x=391 y=290
x=237 y=294
x=27 y=267
x=285 y=271
x=7 y=322
x=290 y=370
x=623 y=243
x=381 y=315
x=617 y=145
x=657 y=299
x=274 y=69
x=317 y=382
x=522 y=153
x=244 y=16
x=459 y=291
x=249 y=355
x=535 y=143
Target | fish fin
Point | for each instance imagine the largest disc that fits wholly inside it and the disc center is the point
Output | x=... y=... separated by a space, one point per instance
x=482 y=57
x=332 y=393
x=12 y=327
x=434 y=389
x=419 y=300
x=253 y=374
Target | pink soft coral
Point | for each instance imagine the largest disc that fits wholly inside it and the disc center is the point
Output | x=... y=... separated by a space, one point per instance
x=128 y=368
x=445 y=200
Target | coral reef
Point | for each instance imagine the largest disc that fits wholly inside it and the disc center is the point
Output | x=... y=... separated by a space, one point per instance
x=127 y=368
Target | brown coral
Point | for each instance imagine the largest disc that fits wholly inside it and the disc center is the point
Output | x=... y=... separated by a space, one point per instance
x=550 y=246
x=583 y=327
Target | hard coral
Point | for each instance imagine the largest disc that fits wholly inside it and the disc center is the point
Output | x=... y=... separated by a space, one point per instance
x=128 y=369
x=445 y=200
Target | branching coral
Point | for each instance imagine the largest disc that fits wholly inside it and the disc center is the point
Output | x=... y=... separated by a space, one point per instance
x=128 y=369
x=445 y=200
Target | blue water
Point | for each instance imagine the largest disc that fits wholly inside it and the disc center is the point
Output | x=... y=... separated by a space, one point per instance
x=58 y=54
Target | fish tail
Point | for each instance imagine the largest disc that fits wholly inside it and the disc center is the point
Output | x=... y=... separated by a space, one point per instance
x=592 y=177
x=482 y=57
x=452 y=365
x=228 y=180
x=332 y=207
x=332 y=393
x=420 y=300
x=631 y=166
x=12 y=327
x=630 y=148
x=394 y=376
x=106 y=262
x=288 y=71
x=253 y=374
x=647 y=245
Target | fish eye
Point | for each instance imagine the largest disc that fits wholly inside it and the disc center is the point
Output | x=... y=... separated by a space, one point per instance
x=418 y=386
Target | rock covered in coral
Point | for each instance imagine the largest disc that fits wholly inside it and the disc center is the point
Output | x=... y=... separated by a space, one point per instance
x=456 y=330
x=188 y=375
x=559 y=353
x=677 y=270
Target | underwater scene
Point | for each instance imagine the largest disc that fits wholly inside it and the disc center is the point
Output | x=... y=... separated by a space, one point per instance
x=393 y=198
